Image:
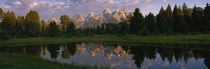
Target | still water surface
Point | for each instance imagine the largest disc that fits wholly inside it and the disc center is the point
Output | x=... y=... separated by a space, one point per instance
x=119 y=57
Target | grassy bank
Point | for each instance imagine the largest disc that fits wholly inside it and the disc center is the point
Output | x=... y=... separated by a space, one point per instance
x=18 y=61
x=127 y=39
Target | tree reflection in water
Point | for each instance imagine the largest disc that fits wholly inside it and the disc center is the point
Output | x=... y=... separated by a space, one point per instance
x=53 y=49
x=116 y=56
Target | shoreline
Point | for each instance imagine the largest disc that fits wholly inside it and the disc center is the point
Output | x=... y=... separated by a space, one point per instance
x=200 y=39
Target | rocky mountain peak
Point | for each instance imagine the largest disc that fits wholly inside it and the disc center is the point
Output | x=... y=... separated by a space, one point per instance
x=122 y=10
x=55 y=20
x=107 y=16
x=78 y=16
x=91 y=14
x=78 y=20
x=107 y=11
x=115 y=12
x=100 y=16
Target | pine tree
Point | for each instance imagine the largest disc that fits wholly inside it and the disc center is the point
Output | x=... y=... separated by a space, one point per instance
x=169 y=17
x=175 y=18
x=169 y=14
x=53 y=29
x=185 y=9
x=197 y=19
x=136 y=21
x=71 y=28
x=183 y=25
x=187 y=16
x=160 y=20
x=161 y=12
x=152 y=25
x=179 y=23
x=124 y=27
x=112 y=28
x=163 y=24
x=103 y=28
x=207 y=18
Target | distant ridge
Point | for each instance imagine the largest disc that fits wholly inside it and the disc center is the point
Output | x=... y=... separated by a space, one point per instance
x=93 y=20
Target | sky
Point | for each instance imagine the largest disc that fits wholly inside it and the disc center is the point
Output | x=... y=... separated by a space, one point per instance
x=55 y=8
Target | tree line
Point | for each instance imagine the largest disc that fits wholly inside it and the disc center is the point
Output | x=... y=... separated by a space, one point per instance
x=180 y=20
x=32 y=26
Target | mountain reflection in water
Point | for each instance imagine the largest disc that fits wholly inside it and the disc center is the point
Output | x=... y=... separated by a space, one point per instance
x=122 y=57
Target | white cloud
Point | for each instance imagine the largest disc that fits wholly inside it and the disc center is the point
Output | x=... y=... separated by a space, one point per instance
x=164 y=0
x=60 y=4
x=149 y=6
x=17 y=3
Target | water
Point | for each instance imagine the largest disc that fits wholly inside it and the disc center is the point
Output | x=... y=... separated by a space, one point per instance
x=115 y=57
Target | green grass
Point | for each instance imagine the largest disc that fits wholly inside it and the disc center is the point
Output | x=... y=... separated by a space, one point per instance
x=116 y=39
x=18 y=61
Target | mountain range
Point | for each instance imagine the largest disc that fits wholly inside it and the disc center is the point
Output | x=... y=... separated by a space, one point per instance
x=107 y=16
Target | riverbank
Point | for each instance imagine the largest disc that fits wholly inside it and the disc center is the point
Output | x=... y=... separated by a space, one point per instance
x=116 y=39
x=19 y=61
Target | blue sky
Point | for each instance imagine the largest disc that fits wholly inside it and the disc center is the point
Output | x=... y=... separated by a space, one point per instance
x=55 y=8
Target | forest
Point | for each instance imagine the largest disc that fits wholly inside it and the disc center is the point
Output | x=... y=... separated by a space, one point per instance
x=180 y=20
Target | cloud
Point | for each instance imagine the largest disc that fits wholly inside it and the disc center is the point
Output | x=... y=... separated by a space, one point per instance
x=164 y=0
x=48 y=9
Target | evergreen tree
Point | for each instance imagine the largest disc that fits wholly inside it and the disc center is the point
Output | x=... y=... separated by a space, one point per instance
x=169 y=14
x=169 y=17
x=187 y=16
x=71 y=28
x=185 y=9
x=207 y=18
x=183 y=25
x=124 y=27
x=152 y=25
x=160 y=19
x=112 y=28
x=163 y=24
x=161 y=12
x=136 y=21
x=32 y=23
x=103 y=30
x=197 y=19
x=98 y=29
x=179 y=24
x=53 y=29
